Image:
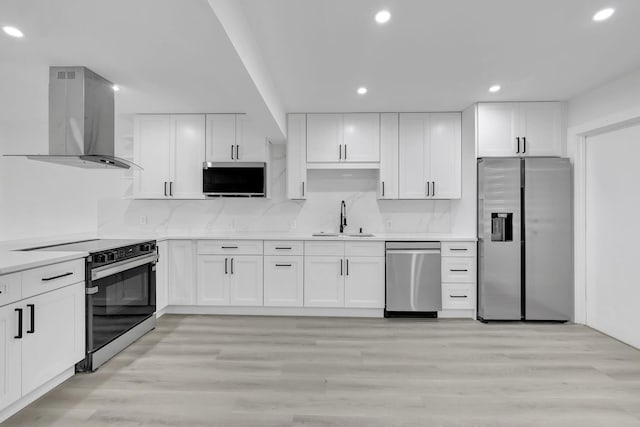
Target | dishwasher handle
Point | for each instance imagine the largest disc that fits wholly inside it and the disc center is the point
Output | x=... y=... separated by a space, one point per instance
x=413 y=251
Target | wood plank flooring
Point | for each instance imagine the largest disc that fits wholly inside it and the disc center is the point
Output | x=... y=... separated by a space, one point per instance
x=284 y=371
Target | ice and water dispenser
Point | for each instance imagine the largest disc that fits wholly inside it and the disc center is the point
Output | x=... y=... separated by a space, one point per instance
x=501 y=227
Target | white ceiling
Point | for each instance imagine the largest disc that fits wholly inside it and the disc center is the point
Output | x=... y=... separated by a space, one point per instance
x=439 y=54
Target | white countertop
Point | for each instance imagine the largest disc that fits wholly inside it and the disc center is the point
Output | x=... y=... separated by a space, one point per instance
x=12 y=261
x=417 y=237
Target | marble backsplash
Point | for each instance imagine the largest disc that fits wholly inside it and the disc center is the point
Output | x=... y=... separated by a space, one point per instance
x=320 y=212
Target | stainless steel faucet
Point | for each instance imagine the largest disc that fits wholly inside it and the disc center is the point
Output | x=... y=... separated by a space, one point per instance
x=343 y=216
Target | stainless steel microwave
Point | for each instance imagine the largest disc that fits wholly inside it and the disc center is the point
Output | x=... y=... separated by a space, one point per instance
x=234 y=179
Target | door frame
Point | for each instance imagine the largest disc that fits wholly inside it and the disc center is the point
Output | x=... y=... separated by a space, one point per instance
x=577 y=152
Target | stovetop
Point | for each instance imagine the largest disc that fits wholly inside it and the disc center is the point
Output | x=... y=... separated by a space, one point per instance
x=91 y=246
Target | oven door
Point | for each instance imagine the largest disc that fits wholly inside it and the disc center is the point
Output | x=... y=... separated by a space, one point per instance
x=120 y=296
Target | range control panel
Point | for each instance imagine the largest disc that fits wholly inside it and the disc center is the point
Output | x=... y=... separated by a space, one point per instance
x=112 y=256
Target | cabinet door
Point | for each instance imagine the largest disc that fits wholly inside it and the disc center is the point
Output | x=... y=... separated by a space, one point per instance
x=445 y=156
x=251 y=145
x=324 y=138
x=10 y=355
x=542 y=128
x=152 y=151
x=162 y=276
x=361 y=137
x=221 y=137
x=213 y=279
x=364 y=282
x=188 y=155
x=246 y=279
x=296 y=156
x=323 y=281
x=181 y=268
x=283 y=281
x=413 y=154
x=388 y=185
x=498 y=127
x=57 y=342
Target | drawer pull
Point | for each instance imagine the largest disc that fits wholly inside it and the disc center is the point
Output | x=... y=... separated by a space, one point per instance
x=463 y=270
x=19 y=335
x=458 y=249
x=457 y=296
x=283 y=248
x=32 y=310
x=283 y=265
x=229 y=247
x=46 y=279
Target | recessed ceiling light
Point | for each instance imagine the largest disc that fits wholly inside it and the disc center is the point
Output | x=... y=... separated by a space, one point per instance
x=115 y=88
x=495 y=88
x=362 y=90
x=603 y=14
x=13 y=31
x=383 y=16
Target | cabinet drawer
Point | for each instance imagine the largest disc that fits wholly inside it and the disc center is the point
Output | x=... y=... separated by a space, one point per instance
x=325 y=248
x=458 y=249
x=283 y=247
x=364 y=249
x=230 y=247
x=10 y=288
x=458 y=296
x=50 y=277
x=458 y=270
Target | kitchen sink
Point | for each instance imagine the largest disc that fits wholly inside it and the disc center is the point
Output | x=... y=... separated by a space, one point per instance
x=322 y=234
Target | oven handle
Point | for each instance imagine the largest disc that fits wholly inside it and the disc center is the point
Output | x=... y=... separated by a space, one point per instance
x=118 y=267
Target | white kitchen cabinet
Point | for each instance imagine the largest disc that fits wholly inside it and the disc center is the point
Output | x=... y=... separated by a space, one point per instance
x=430 y=156
x=388 y=183
x=162 y=276
x=343 y=138
x=181 y=268
x=246 y=280
x=10 y=355
x=232 y=137
x=283 y=281
x=324 y=281
x=364 y=282
x=170 y=149
x=213 y=280
x=508 y=129
x=296 y=156
x=54 y=341
x=458 y=268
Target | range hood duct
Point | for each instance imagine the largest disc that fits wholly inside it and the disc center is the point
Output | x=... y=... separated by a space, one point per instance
x=81 y=120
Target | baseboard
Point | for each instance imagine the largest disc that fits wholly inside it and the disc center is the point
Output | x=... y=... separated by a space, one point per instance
x=275 y=311
x=20 y=404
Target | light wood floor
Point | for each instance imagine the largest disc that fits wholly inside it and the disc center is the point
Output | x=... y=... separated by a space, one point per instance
x=275 y=371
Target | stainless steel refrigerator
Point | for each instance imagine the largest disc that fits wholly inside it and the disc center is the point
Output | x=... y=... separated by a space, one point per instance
x=525 y=239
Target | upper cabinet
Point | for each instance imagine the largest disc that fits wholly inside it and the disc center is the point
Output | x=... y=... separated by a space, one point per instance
x=170 y=149
x=343 y=138
x=232 y=138
x=430 y=156
x=388 y=183
x=508 y=129
x=296 y=156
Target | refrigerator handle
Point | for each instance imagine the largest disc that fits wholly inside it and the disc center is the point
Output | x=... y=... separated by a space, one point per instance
x=524 y=144
x=518 y=144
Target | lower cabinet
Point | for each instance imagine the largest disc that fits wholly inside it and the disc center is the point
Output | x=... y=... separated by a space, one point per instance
x=162 y=276
x=323 y=281
x=40 y=338
x=230 y=280
x=364 y=282
x=180 y=272
x=283 y=281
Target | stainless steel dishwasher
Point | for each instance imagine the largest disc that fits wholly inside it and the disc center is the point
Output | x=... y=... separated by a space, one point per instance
x=413 y=284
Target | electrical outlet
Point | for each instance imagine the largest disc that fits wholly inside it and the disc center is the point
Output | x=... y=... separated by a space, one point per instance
x=143 y=219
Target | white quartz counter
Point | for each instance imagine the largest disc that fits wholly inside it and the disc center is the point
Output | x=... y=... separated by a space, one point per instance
x=398 y=237
x=12 y=261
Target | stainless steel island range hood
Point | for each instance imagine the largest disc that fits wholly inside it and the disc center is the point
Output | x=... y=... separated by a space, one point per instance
x=81 y=120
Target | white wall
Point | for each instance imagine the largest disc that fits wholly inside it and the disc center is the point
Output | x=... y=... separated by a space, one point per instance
x=40 y=199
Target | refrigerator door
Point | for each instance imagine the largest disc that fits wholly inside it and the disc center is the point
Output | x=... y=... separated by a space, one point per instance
x=499 y=232
x=548 y=239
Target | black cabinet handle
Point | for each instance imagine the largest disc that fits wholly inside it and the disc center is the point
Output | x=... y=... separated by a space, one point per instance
x=237 y=152
x=524 y=144
x=231 y=265
x=347 y=267
x=283 y=248
x=458 y=249
x=345 y=151
x=232 y=152
x=225 y=266
x=457 y=296
x=382 y=188
x=433 y=188
x=428 y=191
x=302 y=188
x=283 y=265
x=19 y=336
x=341 y=267
x=459 y=271
x=46 y=279
x=171 y=188
x=32 y=318
x=229 y=247
x=518 y=144
x=340 y=151
x=165 y=189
